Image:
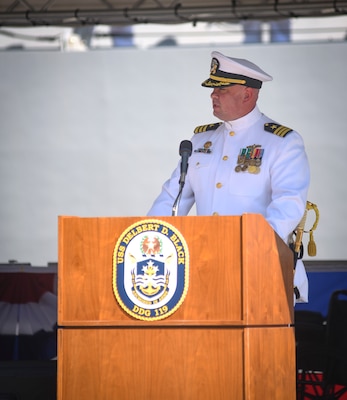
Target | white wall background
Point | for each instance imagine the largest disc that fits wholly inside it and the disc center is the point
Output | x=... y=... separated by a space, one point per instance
x=97 y=133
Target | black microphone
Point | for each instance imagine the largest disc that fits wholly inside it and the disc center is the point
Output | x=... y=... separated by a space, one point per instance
x=186 y=148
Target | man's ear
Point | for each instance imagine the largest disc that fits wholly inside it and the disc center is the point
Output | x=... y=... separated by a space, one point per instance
x=250 y=94
x=247 y=94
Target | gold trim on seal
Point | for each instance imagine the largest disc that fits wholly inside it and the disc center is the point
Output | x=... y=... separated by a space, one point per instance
x=160 y=228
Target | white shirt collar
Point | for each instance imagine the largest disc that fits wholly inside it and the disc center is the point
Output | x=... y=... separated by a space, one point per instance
x=245 y=121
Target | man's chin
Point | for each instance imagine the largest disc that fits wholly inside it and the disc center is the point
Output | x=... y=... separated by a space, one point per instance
x=216 y=114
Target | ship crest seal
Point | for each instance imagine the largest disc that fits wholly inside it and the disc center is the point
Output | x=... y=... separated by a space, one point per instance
x=150 y=270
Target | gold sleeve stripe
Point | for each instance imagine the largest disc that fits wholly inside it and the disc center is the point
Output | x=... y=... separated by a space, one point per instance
x=276 y=129
x=208 y=127
x=282 y=131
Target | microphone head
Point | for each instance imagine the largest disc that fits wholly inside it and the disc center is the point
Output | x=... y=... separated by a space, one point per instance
x=186 y=147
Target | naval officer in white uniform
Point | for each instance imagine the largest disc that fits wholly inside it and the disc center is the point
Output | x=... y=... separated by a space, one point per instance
x=248 y=163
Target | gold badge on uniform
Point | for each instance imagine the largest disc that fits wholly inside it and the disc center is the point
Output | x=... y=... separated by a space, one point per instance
x=206 y=149
x=249 y=159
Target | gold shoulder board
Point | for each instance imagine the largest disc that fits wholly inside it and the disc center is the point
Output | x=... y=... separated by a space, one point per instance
x=276 y=129
x=205 y=128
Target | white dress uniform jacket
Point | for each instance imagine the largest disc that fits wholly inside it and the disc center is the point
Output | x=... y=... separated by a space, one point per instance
x=219 y=184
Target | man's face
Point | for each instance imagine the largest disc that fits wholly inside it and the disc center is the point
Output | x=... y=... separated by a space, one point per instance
x=231 y=102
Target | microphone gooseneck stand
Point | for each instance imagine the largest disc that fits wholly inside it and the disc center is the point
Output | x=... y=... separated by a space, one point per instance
x=185 y=152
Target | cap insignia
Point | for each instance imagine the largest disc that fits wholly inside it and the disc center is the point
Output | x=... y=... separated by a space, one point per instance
x=277 y=129
x=214 y=66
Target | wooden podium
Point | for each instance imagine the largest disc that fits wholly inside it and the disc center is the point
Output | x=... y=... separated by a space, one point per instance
x=231 y=338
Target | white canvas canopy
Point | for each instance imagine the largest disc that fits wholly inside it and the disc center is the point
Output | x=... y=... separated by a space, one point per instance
x=128 y=12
